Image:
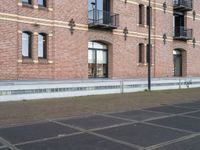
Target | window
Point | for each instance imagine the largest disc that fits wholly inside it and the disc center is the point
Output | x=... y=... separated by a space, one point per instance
x=149 y=13
x=42 y=45
x=26 y=44
x=27 y=2
x=147 y=54
x=42 y=3
x=141 y=53
x=141 y=14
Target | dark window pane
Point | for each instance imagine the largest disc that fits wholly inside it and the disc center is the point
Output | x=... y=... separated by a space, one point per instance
x=141 y=14
x=149 y=53
x=141 y=53
x=149 y=16
x=26 y=1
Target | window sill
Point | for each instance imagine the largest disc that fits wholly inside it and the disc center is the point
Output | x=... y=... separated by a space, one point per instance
x=40 y=7
x=27 y=5
x=141 y=64
x=141 y=25
x=27 y=60
x=42 y=61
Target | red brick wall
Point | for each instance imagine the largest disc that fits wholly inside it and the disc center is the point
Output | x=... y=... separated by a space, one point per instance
x=67 y=53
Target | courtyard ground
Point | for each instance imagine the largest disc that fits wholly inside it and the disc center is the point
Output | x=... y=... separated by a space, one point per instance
x=36 y=110
x=164 y=120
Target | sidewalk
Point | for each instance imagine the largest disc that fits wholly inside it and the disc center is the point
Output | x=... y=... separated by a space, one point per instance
x=37 y=110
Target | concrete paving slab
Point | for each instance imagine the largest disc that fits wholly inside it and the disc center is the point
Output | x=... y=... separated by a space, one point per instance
x=142 y=134
x=180 y=122
x=93 y=122
x=26 y=133
x=138 y=115
x=76 y=142
x=196 y=114
x=190 y=105
x=190 y=144
x=170 y=109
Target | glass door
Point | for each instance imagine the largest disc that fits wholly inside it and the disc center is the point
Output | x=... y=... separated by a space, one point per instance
x=97 y=60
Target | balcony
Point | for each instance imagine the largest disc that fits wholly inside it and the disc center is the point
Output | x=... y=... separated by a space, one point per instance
x=103 y=19
x=182 y=33
x=183 y=5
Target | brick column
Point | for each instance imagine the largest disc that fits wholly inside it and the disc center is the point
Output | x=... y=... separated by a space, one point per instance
x=35 y=47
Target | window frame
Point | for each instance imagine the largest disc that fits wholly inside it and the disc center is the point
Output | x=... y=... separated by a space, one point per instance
x=29 y=44
x=27 y=3
x=44 y=5
x=141 y=53
x=44 y=49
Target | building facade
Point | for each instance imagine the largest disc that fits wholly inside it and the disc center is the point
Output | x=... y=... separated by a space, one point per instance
x=81 y=39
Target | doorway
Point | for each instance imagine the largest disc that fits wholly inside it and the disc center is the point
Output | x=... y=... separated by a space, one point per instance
x=97 y=60
x=178 y=65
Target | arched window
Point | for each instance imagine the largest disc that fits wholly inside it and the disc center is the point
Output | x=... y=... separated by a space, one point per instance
x=42 y=3
x=141 y=53
x=149 y=13
x=26 y=44
x=141 y=14
x=42 y=45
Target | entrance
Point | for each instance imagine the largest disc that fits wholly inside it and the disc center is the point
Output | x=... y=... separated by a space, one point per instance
x=97 y=60
x=178 y=63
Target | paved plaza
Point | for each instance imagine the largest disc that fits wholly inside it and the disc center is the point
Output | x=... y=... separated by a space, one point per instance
x=167 y=127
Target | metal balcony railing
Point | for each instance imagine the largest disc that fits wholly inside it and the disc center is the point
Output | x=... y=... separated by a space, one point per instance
x=183 y=5
x=182 y=33
x=103 y=19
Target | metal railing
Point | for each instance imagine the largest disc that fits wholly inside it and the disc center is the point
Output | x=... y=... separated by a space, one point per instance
x=103 y=18
x=183 y=33
x=183 y=4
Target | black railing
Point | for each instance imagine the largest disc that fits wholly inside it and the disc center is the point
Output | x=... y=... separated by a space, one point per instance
x=103 y=19
x=183 y=5
x=183 y=33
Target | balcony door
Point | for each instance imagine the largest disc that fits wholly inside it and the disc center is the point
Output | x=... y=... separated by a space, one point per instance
x=101 y=10
x=103 y=5
x=97 y=60
x=179 y=24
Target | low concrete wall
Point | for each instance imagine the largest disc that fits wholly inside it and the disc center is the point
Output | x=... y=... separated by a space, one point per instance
x=26 y=90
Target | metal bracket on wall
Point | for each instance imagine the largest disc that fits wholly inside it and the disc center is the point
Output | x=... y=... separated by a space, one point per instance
x=72 y=25
x=125 y=31
x=194 y=14
x=164 y=38
x=164 y=7
x=194 y=42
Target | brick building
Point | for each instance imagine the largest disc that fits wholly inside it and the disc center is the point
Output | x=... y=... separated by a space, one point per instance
x=80 y=39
